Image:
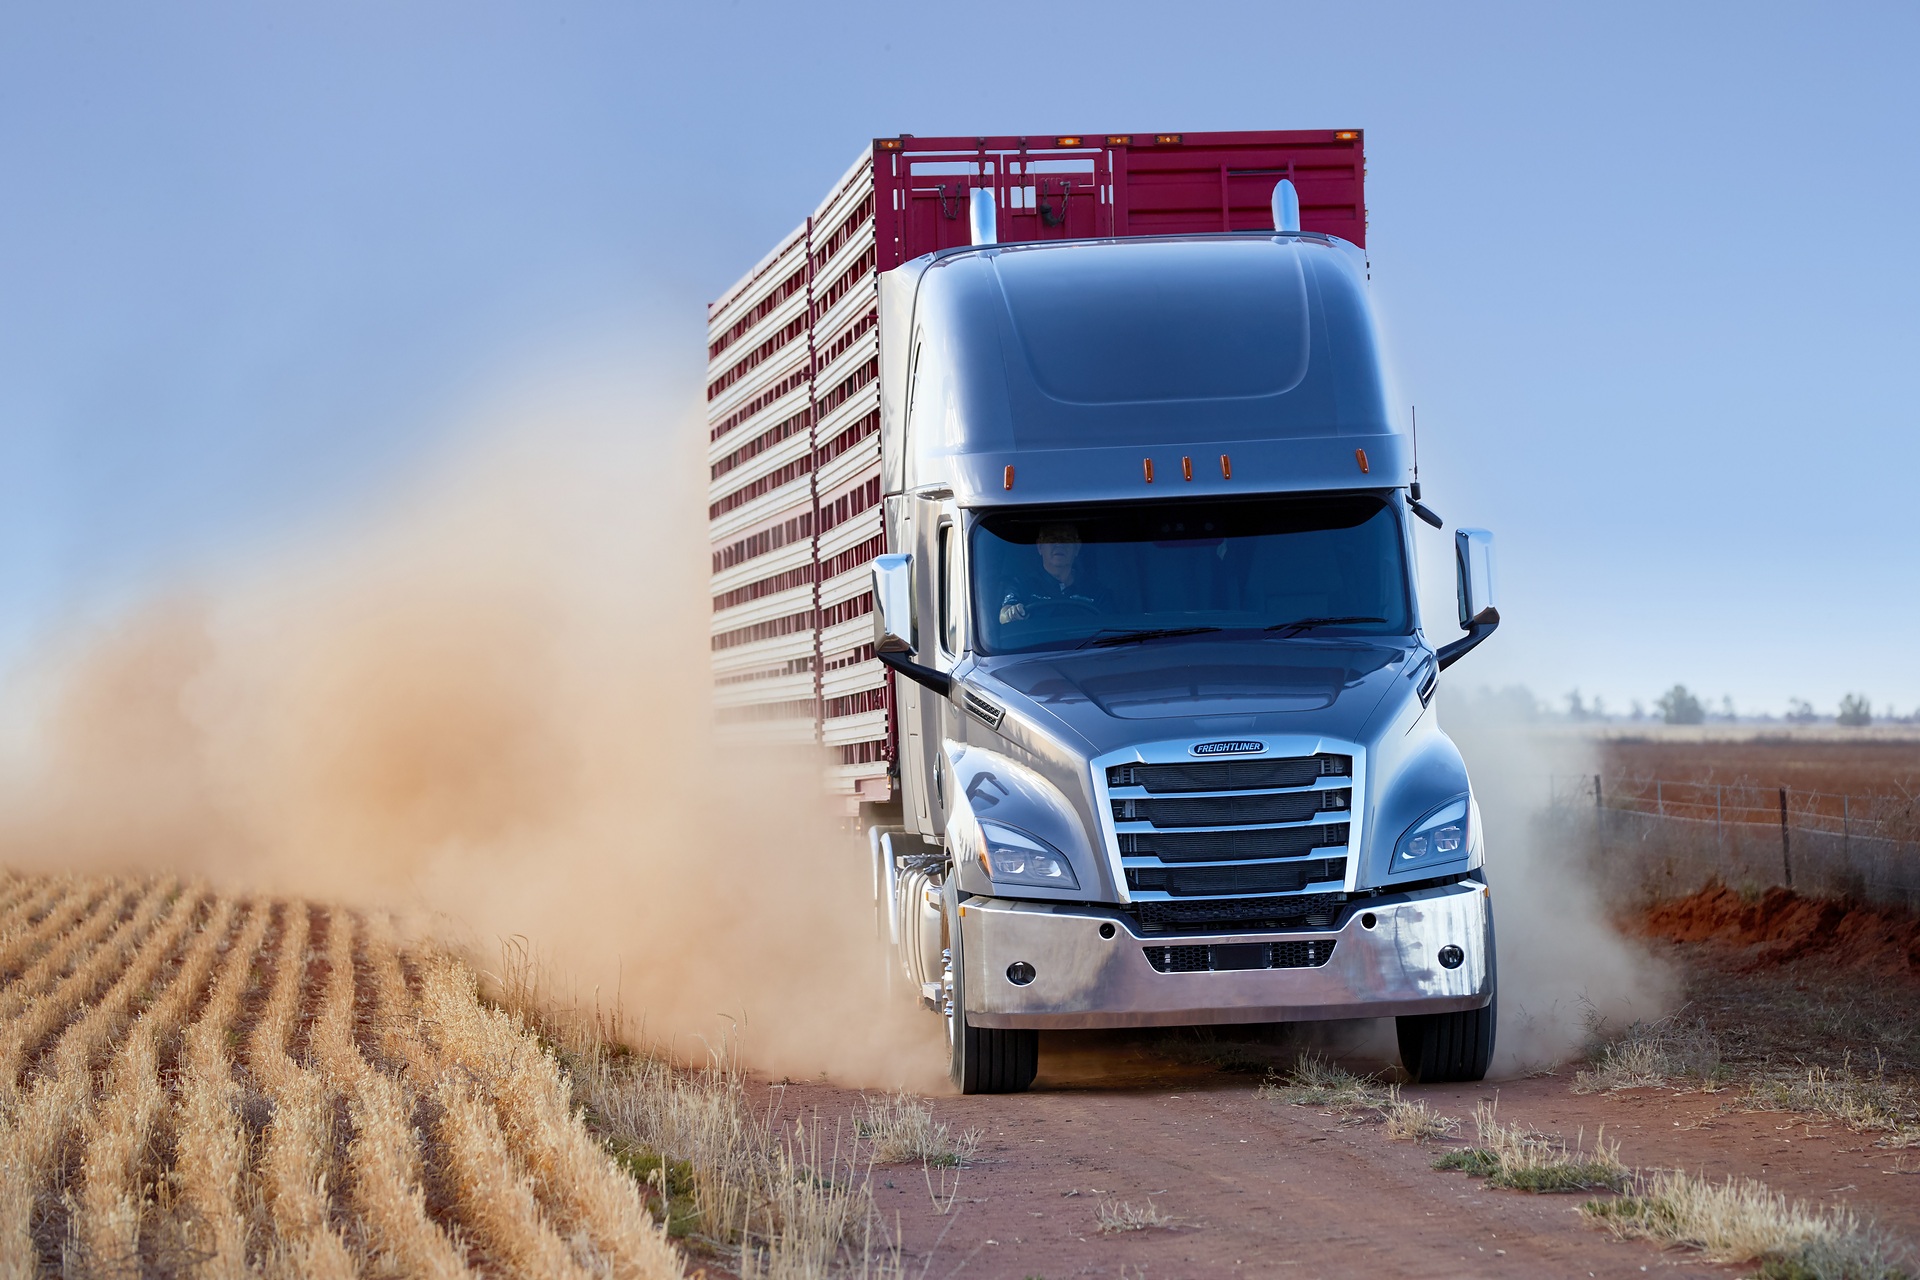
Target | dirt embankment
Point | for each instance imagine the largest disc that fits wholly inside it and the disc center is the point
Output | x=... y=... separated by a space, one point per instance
x=1781 y=926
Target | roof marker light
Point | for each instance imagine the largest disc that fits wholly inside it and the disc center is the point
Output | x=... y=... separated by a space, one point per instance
x=887 y=144
x=1119 y=139
x=1167 y=139
x=1347 y=135
x=1226 y=468
x=1070 y=140
x=1360 y=456
x=1009 y=479
x=1147 y=465
x=1186 y=467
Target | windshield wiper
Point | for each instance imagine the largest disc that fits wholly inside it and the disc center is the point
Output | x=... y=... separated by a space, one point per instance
x=1151 y=633
x=1306 y=624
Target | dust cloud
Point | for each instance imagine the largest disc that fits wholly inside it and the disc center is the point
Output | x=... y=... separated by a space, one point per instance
x=1562 y=964
x=487 y=705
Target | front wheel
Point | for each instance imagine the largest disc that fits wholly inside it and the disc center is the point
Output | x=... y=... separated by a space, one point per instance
x=1445 y=1048
x=985 y=1059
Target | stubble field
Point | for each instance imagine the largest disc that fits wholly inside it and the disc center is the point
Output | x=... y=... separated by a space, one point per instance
x=198 y=1084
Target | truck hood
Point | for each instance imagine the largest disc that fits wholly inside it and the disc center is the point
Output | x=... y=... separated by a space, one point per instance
x=1205 y=686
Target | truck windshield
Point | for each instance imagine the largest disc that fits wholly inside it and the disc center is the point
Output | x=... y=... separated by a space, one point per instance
x=1094 y=576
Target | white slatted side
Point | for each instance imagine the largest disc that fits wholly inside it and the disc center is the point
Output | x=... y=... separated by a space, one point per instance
x=766 y=686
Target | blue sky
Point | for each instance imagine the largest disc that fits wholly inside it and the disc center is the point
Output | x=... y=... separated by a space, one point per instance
x=1647 y=270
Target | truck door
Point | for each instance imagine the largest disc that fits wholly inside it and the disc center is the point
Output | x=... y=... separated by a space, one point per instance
x=931 y=529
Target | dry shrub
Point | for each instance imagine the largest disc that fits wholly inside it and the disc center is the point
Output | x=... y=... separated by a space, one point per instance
x=1116 y=1215
x=1869 y=1103
x=788 y=1204
x=1413 y=1121
x=1740 y=1220
x=1510 y=1155
x=901 y=1127
x=1314 y=1081
x=1650 y=1054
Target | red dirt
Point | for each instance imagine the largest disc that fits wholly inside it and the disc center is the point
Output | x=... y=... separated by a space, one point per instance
x=1258 y=1188
x=1784 y=926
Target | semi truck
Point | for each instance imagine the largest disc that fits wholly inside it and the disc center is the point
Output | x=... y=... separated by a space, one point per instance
x=1055 y=493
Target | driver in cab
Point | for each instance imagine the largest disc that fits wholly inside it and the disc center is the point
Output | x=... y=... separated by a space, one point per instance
x=1054 y=581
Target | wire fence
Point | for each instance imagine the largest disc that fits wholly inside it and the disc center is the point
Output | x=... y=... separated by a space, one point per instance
x=1686 y=833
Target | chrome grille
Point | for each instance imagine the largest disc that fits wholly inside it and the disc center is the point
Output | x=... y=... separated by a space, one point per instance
x=1231 y=811
x=1236 y=844
x=1258 y=877
x=1231 y=846
x=1230 y=775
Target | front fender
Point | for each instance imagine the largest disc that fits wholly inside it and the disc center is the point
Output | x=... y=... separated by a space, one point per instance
x=986 y=784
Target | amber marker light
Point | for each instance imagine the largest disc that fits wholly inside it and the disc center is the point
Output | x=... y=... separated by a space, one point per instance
x=1071 y=140
x=1167 y=139
x=1009 y=476
x=1186 y=467
x=1147 y=465
x=1347 y=135
x=1119 y=139
x=1226 y=467
x=887 y=144
x=1360 y=456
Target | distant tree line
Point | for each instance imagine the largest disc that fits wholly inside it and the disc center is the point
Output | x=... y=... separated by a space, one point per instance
x=1680 y=705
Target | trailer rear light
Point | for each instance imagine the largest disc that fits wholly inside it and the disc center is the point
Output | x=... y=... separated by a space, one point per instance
x=1071 y=140
x=1167 y=139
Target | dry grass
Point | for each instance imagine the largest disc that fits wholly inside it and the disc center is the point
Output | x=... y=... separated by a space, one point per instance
x=901 y=1127
x=1413 y=1121
x=1314 y=1081
x=1116 y=1215
x=1651 y=1054
x=1509 y=1155
x=1740 y=1220
x=1866 y=1102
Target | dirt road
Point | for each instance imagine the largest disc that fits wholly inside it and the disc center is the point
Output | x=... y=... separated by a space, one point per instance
x=1257 y=1188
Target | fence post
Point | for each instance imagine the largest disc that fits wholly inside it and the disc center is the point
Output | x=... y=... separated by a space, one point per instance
x=1719 y=824
x=1659 y=798
x=1846 y=827
x=1596 y=791
x=1786 y=847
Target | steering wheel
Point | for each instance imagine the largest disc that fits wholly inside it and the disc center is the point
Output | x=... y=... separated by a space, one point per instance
x=1057 y=607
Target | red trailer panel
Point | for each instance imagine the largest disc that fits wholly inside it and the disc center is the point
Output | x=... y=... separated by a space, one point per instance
x=793 y=394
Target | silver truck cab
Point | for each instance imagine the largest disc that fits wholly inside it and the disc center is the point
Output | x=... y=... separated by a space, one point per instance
x=1167 y=748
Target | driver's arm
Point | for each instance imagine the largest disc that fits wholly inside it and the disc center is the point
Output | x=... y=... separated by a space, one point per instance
x=1011 y=609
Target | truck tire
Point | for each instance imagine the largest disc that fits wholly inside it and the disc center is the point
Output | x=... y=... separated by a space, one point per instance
x=1446 y=1048
x=985 y=1059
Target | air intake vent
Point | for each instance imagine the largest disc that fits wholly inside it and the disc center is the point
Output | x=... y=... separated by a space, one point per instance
x=1225 y=957
x=982 y=710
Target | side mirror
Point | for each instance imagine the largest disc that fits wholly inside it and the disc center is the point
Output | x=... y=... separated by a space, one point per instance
x=893 y=604
x=1473 y=560
x=893 y=629
x=1473 y=557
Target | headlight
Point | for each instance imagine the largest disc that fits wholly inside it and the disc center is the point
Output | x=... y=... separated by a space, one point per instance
x=1011 y=856
x=1438 y=837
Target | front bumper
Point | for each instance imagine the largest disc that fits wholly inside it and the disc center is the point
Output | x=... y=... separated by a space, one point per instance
x=1083 y=980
